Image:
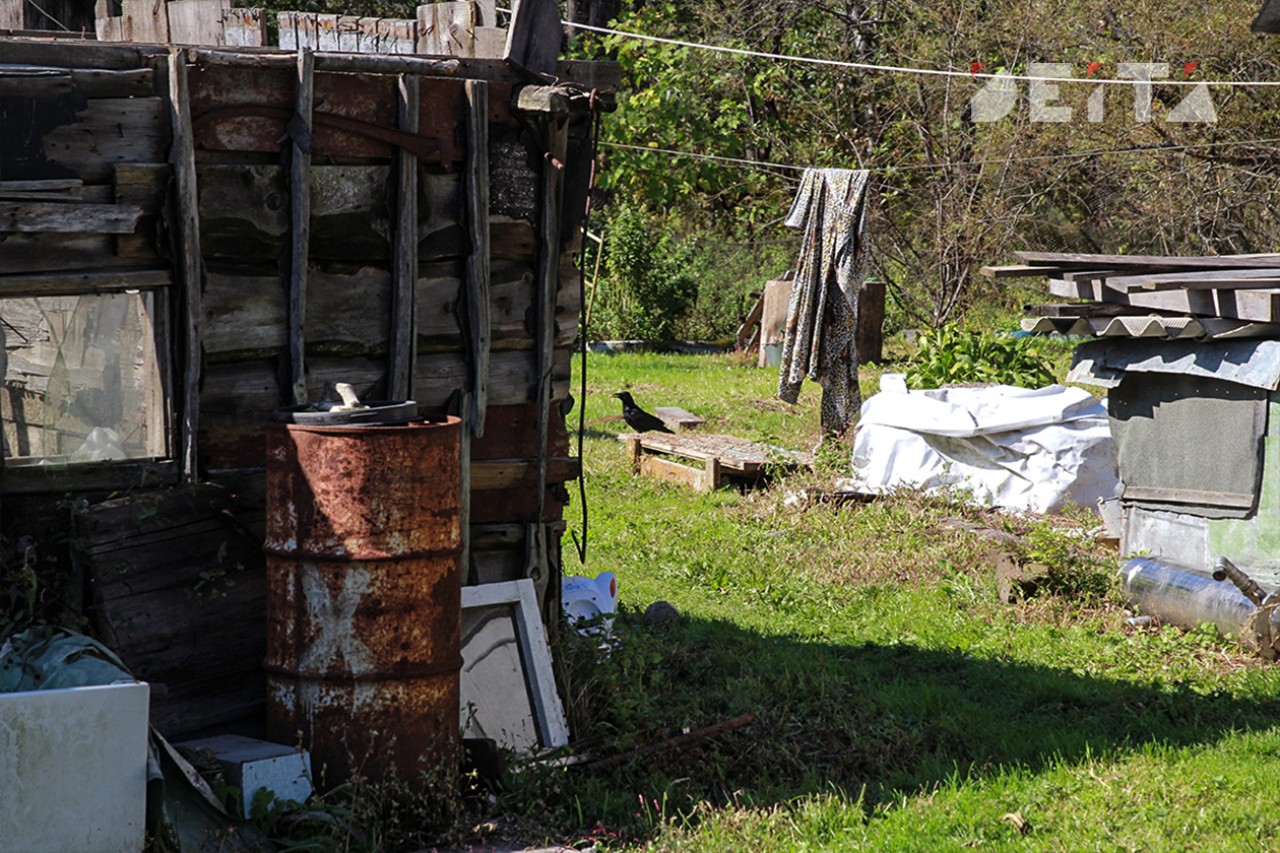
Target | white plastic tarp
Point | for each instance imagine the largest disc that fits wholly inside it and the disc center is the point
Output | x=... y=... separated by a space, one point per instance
x=1015 y=448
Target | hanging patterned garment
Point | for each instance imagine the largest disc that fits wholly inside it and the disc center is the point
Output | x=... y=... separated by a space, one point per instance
x=822 y=316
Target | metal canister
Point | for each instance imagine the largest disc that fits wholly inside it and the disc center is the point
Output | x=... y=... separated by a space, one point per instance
x=364 y=596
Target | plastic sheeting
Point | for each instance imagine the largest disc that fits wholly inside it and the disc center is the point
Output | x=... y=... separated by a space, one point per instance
x=1014 y=448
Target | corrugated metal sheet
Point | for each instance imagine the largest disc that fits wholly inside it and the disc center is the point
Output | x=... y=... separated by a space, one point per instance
x=1255 y=363
x=1151 y=326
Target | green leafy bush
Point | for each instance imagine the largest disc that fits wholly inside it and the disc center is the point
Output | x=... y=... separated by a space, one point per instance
x=648 y=284
x=953 y=355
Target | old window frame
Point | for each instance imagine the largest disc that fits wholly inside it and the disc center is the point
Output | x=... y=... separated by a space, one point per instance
x=117 y=473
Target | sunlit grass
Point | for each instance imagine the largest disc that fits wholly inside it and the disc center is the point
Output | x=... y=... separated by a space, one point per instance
x=898 y=703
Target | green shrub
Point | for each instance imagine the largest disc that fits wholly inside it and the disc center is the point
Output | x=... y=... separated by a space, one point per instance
x=648 y=285
x=953 y=355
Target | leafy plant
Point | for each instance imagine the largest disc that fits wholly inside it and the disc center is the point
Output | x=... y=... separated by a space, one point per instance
x=952 y=355
x=648 y=285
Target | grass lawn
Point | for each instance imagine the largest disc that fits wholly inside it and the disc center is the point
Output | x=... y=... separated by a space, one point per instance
x=898 y=703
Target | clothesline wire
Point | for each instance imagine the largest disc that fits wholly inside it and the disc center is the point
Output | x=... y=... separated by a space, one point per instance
x=924 y=72
x=759 y=164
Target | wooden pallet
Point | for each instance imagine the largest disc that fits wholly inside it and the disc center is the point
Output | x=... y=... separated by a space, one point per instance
x=721 y=457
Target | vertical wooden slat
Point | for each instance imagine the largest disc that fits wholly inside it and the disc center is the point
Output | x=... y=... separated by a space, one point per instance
x=244 y=27
x=538 y=567
x=464 y=508
x=146 y=21
x=533 y=39
x=404 y=310
x=477 y=190
x=187 y=224
x=300 y=224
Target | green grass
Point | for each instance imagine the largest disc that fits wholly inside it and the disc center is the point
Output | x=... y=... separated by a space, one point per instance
x=899 y=705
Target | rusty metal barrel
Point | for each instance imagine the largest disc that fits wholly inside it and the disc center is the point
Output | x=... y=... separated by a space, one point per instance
x=363 y=548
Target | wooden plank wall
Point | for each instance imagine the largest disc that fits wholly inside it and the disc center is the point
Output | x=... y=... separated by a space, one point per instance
x=95 y=142
x=201 y=22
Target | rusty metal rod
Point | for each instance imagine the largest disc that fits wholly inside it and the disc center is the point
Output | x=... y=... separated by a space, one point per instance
x=1227 y=570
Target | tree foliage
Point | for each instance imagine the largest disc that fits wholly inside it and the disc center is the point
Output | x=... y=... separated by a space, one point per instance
x=951 y=194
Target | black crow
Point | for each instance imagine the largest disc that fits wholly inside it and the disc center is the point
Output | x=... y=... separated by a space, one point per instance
x=637 y=418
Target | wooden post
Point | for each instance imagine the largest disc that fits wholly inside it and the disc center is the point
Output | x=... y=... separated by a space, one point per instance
x=404 y=310
x=300 y=222
x=548 y=283
x=869 y=334
x=710 y=475
x=477 y=287
x=187 y=225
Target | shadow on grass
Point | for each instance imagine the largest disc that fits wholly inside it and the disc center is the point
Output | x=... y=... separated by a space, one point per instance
x=887 y=717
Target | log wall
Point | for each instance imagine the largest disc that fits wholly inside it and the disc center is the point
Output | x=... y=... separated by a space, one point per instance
x=92 y=182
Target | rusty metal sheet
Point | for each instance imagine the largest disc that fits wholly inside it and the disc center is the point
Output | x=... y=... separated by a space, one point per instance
x=247 y=109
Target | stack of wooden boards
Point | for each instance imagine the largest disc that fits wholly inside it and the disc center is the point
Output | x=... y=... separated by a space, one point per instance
x=1150 y=296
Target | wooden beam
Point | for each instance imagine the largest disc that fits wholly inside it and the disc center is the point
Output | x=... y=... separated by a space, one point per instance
x=1130 y=261
x=1260 y=306
x=403 y=353
x=1020 y=271
x=187 y=225
x=76 y=54
x=458 y=68
x=70 y=283
x=35 y=217
x=300 y=224
x=34 y=83
x=479 y=317
x=551 y=193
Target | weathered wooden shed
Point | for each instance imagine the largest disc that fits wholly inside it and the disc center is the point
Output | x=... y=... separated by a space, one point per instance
x=193 y=237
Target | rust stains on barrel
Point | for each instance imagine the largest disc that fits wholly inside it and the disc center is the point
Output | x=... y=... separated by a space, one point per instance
x=363 y=601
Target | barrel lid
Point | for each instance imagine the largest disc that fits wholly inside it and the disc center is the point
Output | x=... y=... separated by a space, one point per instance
x=372 y=413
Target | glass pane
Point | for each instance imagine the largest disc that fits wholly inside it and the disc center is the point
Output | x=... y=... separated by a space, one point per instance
x=82 y=380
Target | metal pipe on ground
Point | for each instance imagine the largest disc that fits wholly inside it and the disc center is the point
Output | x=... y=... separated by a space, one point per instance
x=1187 y=599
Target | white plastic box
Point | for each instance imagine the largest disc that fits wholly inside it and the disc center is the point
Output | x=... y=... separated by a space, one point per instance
x=73 y=769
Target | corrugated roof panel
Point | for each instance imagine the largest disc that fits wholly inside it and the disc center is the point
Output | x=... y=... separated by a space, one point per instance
x=1255 y=363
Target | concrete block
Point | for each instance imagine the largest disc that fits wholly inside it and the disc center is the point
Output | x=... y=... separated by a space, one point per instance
x=73 y=769
x=251 y=765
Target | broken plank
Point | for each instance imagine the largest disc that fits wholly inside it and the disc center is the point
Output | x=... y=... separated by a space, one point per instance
x=678 y=419
x=59 y=218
